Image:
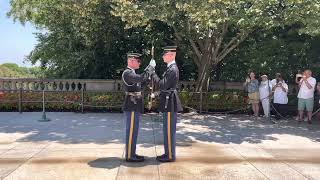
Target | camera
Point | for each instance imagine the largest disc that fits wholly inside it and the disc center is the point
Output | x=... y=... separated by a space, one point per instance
x=278 y=83
x=299 y=77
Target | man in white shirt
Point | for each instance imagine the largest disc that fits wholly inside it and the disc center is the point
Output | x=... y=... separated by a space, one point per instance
x=306 y=95
x=280 y=94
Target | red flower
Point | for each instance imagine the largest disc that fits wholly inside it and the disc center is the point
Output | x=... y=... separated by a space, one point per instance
x=2 y=94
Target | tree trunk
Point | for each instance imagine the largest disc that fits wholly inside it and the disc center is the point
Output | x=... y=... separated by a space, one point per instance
x=202 y=80
x=210 y=50
x=203 y=74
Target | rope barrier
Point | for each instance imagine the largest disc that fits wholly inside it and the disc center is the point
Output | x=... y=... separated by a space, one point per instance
x=115 y=106
x=187 y=107
x=222 y=112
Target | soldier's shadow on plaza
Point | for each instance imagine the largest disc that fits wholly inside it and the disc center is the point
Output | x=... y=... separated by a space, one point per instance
x=115 y=162
x=102 y=128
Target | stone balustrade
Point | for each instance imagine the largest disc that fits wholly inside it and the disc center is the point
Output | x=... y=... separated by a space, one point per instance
x=10 y=84
x=43 y=84
x=71 y=85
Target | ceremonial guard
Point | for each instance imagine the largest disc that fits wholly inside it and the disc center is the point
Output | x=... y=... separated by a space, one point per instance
x=169 y=102
x=133 y=103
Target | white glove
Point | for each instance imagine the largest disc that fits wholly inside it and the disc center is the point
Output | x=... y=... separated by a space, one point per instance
x=153 y=95
x=152 y=63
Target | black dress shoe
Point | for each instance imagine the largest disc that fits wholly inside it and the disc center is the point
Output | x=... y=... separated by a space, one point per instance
x=161 y=157
x=165 y=159
x=139 y=157
x=135 y=159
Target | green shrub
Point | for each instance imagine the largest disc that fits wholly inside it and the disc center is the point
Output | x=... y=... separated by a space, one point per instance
x=214 y=101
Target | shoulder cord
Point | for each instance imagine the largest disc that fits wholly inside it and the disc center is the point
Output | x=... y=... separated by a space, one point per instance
x=125 y=81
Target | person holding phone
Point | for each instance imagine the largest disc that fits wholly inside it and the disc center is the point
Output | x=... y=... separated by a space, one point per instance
x=280 y=95
x=306 y=95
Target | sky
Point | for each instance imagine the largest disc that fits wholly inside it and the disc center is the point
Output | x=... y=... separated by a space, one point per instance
x=16 y=40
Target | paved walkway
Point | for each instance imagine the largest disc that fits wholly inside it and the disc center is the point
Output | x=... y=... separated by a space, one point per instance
x=90 y=146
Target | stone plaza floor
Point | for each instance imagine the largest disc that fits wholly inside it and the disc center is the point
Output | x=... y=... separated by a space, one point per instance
x=91 y=146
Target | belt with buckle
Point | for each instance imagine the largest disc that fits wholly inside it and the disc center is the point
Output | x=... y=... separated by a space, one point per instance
x=133 y=93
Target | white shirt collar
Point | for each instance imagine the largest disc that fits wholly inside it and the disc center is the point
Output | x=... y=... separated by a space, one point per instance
x=170 y=63
x=131 y=69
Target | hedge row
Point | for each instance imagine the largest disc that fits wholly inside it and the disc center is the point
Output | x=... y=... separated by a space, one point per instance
x=111 y=101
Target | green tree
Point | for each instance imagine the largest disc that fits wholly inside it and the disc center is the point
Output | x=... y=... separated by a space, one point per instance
x=79 y=39
x=214 y=28
x=12 y=70
x=278 y=50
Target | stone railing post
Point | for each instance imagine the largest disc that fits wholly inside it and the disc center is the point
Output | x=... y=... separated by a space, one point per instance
x=1 y=84
x=64 y=88
x=50 y=86
x=39 y=86
x=45 y=86
x=27 y=86
x=70 y=86
x=13 y=85
x=33 y=87
x=20 y=85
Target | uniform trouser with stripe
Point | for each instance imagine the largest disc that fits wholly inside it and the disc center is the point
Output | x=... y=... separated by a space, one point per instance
x=132 y=127
x=169 y=132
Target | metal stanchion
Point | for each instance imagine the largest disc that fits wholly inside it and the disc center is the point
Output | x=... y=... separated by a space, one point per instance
x=44 y=116
x=201 y=101
x=269 y=117
x=20 y=100
x=82 y=99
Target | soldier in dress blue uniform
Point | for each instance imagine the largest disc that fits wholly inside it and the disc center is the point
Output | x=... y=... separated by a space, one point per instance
x=133 y=104
x=169 y=102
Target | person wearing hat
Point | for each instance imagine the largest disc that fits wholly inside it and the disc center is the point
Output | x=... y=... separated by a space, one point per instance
x=169 y=102
x=264 y=92
x=133 y=102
